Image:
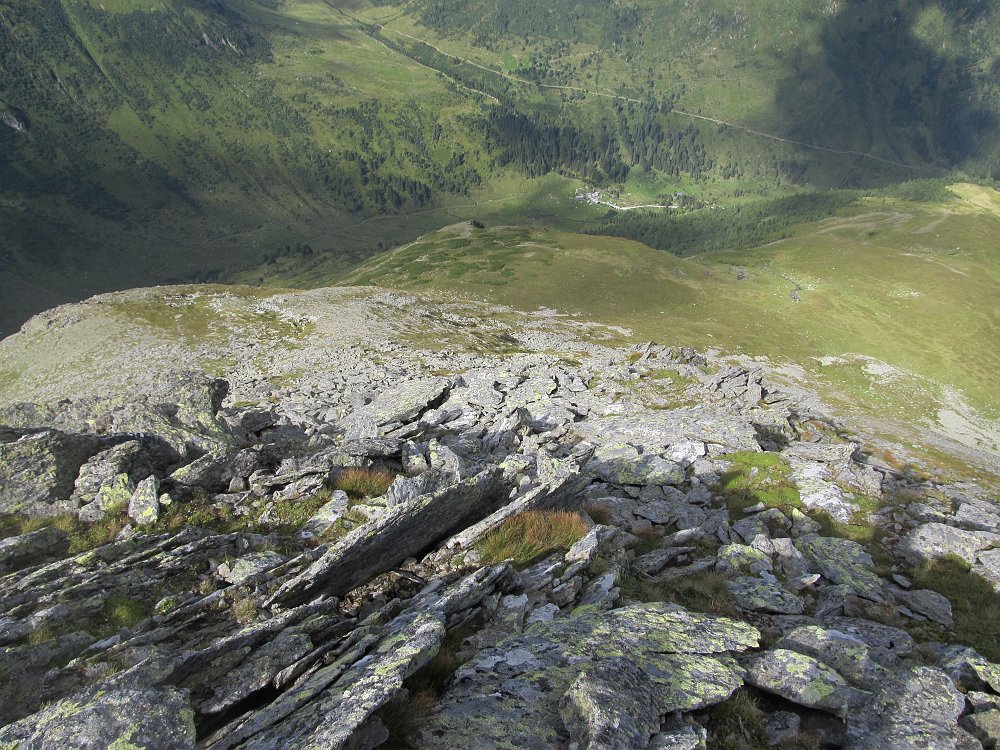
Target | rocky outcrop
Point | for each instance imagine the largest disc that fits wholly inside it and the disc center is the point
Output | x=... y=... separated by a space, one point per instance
x=215 y=580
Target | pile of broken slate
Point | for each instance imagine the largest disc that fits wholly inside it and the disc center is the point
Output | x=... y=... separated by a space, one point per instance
x=250 y=643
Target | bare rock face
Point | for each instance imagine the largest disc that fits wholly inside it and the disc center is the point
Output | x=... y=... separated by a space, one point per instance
x=303 y=562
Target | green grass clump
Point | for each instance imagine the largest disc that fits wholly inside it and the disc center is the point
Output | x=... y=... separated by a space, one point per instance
x=975 y=604
x=359 y=483
x=737 y=723
x=758 y=478
x=120 y=612
x=529 y=536
x=83 y=536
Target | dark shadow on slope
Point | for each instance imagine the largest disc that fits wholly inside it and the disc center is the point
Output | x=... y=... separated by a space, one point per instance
x=878 y=86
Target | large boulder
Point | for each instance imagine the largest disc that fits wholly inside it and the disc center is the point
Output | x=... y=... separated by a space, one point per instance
x=38 y=469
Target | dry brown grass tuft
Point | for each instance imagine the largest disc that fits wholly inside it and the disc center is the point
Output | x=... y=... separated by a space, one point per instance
x=526 y=537
x=359 y=483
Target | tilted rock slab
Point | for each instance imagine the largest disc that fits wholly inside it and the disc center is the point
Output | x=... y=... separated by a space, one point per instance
x=404 y=531
x=517 y=693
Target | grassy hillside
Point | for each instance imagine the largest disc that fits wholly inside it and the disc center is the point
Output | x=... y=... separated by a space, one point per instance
x=891 y=303
x=148 y=141
x=180 y=139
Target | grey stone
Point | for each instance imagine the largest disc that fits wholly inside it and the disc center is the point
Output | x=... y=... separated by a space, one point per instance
x=844 y=562
x=509 y=694
x=847 y=654
x=624 y=465
x=801 y=679
x=101 y=471
x=144 y=505
x=930 y=604
x=818 y=492
x=33 y=548
x=969 y=669
x=38 y=470
x=248 y=566
x=760 y=595
x=984 y=726
x=934 y=540
x=781 y=726
x=914 y=708
x=402 y=532
x=612 y=705
x=326 y=516
x=101 y=718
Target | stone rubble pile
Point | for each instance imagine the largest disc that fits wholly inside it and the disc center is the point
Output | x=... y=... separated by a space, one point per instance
x=296 y=638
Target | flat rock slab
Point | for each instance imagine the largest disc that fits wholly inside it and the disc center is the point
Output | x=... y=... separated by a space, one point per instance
x=510 y=695
x=657 y=431
x=759 y=595
x=98 y=719
x=918 y=708
x=847 y=654
x=623 y=464
x=800 y=679
x=934 y=540
x=398 y=404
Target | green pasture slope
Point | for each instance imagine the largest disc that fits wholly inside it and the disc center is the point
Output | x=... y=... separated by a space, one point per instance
x=155 y=140
x=891 y=304
x=158 y=140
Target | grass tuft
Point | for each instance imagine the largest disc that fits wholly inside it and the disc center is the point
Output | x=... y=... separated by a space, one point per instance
x=529 y=536
x=358 y=483
x=974 y=603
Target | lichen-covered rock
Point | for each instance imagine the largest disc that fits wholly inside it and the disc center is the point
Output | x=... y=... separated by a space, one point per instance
x=818 y=492
x=984 y=726
x=847 y=654
x=102 y=471
x=656 y=431
x=248 y=566
x=144 y=504
x=399 y=403
x=741 y=559
x=760 y=595
x=934 y=540
x=801 y=679
x=843 y=562
x=403 y=531
x=334 y=703
x=916 y=708
x=177 y=415
x=970 y=669
x=100 y=719
x=930 y=604
x=38 y=469
x=612 y=705
x=507 y=696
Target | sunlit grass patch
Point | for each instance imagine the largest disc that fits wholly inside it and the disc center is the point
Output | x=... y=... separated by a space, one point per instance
x=526 y=537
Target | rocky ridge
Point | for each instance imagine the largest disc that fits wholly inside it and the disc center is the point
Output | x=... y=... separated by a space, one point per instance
x=741 y=542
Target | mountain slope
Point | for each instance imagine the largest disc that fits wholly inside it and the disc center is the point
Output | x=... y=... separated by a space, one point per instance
x=891 y=303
